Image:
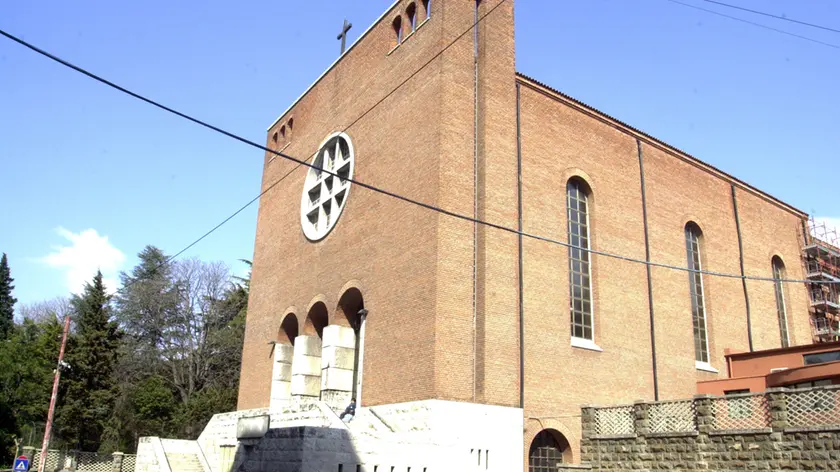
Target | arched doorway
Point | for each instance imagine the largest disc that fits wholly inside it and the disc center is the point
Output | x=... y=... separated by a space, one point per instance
x=351 y=307
x=547 y=450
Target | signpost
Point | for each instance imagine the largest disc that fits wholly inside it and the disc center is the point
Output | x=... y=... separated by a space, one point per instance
x=21 y=464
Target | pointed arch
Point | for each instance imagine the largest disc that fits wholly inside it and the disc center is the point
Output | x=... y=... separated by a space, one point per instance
x=411 y=14
x=398 y=31
x=427 y=12
x=778 y=268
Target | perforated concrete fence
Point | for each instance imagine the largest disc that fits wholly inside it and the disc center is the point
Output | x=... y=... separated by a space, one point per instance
x=813 y=407
x=778 y=408
x=82 y=461
x=614 y=421
x=671 y=417
x=776 y=430
x=747 y=411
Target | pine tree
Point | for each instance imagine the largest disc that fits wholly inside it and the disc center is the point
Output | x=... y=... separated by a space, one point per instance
x=7 y=301
x=149 y=300
x=89 y=385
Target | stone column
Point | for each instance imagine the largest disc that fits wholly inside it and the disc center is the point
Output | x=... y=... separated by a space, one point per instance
x=281 y=377
x=703 y=412
x=306 y=370
x=643 y=461
x=337 y=358
x=587 y=426
x=587 y=421
x=777 y=404
x=69 y=460
x=641 y=424
x=704 y=420
x=116 y=464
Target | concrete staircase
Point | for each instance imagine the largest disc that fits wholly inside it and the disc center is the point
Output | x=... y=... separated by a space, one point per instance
x=184 y=462
x=184 y=456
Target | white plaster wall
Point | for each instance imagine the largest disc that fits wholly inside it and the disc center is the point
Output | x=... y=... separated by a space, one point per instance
x=435 y=434
x=458 y=433
x=220 y=432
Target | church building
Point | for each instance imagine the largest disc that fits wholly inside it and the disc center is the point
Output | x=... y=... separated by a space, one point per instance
x=499 y=332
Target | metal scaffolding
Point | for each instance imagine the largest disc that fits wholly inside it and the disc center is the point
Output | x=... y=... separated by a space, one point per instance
x=821 y=260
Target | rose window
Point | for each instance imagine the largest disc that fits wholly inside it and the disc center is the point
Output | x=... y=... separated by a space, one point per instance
x=325 y=194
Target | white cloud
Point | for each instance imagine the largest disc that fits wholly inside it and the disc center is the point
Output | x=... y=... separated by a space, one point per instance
x=831 y=231
x=86 y=253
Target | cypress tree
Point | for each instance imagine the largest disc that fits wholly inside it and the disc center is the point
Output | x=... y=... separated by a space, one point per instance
x=7 y=301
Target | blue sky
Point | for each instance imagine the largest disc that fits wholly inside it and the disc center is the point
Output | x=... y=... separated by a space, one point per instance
x=89 y=176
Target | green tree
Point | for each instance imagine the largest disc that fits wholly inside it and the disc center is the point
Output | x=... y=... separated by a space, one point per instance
x=7 y=301
x=149 y=301
x=27 y=360
x=221 y=385
x=89 y=385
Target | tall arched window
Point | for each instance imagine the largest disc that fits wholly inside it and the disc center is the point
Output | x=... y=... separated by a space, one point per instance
x=397 y=25
x=693 y=237
x=411 y=13
x=427 y=5
x=580 y=287
x=546 y=451
x=781 y=309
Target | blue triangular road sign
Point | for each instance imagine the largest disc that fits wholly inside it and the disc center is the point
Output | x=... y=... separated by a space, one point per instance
x=21 y=464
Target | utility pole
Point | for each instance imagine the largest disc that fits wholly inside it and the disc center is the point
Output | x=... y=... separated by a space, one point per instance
x=43 y=460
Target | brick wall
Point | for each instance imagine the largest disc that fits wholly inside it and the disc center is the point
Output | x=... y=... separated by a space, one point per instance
x=779 y=430
x=436 y=328
x=562 y=138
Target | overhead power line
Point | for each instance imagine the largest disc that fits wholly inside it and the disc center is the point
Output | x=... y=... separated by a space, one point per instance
x=208 y=233
x=383 y=191
x=231 y=135
x=812 y=25
x=806 y=38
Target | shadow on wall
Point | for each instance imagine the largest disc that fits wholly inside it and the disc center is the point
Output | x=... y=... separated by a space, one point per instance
x=301 y=449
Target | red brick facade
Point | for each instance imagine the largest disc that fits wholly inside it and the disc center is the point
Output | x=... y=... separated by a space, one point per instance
x=436 y=327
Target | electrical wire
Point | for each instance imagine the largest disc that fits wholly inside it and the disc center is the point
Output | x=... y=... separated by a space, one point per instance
x=231 y=135
x=208 y=233
x=755 y=24
x=773 y=16
x=387 y=192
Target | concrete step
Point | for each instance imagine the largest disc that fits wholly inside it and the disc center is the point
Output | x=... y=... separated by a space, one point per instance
x=184 y=462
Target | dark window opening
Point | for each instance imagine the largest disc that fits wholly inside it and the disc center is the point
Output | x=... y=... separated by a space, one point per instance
x=781 y=308
x=411 y=13
x=580 y=287
x=545 y=453
x=398 y=29
x=698 y=304
x=821 y=357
